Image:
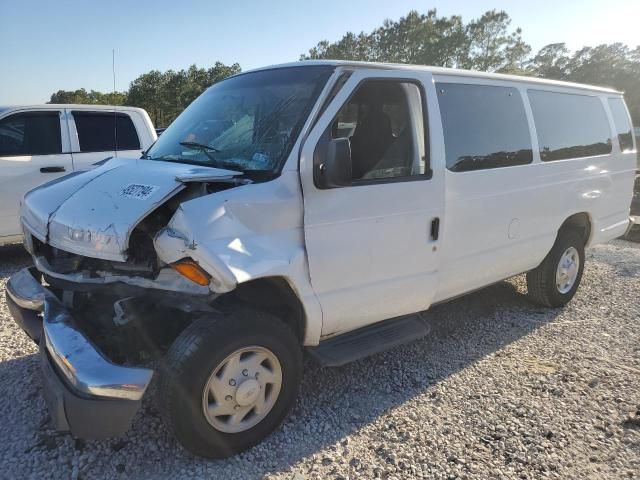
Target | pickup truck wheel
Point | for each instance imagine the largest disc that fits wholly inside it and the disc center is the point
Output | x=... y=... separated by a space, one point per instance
x=229 y=382
x=555 y=281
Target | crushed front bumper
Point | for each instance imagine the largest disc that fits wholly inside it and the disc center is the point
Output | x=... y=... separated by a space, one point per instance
x=86 y=393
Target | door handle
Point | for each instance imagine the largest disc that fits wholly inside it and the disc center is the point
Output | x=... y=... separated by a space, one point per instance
x=52 y=170
x=435 y=228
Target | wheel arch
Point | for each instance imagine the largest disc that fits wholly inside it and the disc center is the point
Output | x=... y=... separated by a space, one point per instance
x=580 y=222
x=276 y=296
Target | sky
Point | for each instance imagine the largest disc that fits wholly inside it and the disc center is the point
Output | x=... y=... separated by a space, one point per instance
x=48 y=45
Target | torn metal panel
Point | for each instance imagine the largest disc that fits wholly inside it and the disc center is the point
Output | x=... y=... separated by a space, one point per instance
x=242 y=234
x=167 y=279
x=94 y=213
x=236 y=234
x=239 y=234
x=84 y=366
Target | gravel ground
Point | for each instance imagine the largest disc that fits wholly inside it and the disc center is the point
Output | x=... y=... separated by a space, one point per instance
x=499 y=389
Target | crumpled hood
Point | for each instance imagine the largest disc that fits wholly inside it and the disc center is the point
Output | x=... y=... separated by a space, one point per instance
x=93 y=213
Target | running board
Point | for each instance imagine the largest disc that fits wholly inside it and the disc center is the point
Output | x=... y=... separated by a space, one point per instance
x=369 y=340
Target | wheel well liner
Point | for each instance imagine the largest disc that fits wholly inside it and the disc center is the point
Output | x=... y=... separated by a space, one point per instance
x=581 y=222
x=273 y=295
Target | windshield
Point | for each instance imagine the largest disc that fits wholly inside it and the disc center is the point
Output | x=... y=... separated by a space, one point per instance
x=247 y=123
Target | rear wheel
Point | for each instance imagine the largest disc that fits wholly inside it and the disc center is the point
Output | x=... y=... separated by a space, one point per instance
x=229 y=382
x=555 y=281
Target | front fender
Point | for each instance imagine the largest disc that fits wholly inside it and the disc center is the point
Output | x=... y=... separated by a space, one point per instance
x=172 y=245
x=243 y=234
x=239 y=255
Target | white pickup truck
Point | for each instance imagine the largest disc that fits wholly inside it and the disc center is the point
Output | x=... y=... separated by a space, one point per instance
x=39 y=143
x=318 y=206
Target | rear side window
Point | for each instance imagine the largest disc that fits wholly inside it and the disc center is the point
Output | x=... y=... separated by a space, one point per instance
x=101 y=132
x=484 y=127
x=32 y=133
x=569 y=125
x=622 y=123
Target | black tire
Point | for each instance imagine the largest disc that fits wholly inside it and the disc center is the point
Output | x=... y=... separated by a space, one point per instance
x=541 y=281
x=197 y=351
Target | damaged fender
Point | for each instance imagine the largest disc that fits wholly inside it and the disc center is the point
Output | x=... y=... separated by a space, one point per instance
x=243 y=234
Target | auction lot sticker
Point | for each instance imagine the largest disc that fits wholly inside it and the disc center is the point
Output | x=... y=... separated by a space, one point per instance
x=138 y=191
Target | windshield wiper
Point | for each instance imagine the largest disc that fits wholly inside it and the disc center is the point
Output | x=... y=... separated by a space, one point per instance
x=183 y=160
x=203 y=147
x=197 y=145
x=200 y=146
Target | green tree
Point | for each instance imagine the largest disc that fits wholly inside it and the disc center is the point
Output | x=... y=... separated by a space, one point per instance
x=492 y=47
x=165 y=94
x=145 y=92
x=162 y=94
x=550 y=62
x=484 y=44
x=487 y=43
x=614 y=65
x=421 y=39
x=92 y=97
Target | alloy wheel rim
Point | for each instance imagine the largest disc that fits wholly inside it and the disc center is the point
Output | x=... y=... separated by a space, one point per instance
x=242 y=389
x=567 y=271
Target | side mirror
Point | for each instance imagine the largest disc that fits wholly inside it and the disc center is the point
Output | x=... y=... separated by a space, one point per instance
x=334 y=169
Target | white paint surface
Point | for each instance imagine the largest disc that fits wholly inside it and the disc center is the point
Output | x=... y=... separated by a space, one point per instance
x=359 y=254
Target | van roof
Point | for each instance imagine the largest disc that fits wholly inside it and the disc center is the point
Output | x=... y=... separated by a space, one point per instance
x=442 y=71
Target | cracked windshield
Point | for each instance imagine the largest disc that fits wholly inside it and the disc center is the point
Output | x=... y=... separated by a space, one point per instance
x=246 y=123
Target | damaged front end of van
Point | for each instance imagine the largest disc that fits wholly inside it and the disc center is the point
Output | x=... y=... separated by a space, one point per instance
x=127 y=255
x=118 y=270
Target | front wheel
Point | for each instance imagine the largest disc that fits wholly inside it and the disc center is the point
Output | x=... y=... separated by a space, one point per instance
x=554 y=282
x=229 y=382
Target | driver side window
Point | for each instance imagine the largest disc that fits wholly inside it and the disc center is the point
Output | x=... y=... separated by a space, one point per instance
x=384 y=123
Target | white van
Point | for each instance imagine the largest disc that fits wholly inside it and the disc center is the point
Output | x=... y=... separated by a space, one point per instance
x=39 y=143
x=318 y=206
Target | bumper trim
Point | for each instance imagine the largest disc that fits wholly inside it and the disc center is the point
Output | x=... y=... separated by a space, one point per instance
x=90 y=418
x=25 y=291
x=28 y=320
x=83 y=366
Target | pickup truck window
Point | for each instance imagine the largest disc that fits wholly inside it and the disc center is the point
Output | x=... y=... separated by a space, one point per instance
x=30 y=133
x=622 y=123
x=384 y=122
x=247 y=123
x=105 y=131
x=484 y=127
x=569 y=125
